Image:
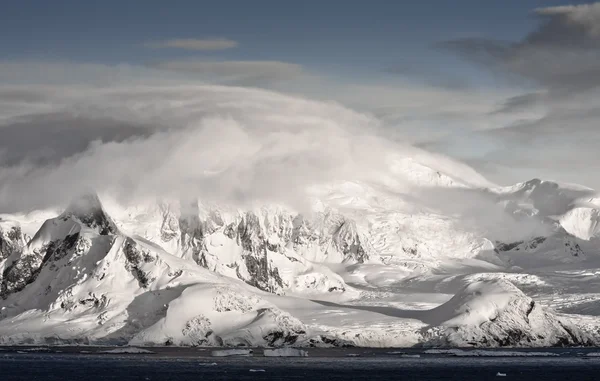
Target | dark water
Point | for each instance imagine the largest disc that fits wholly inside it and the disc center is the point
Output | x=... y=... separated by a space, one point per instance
x=371 y=365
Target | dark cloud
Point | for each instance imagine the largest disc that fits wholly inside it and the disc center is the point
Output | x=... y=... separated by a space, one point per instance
x=562 y=54
x=49 y=138
x=519 y=103
x=573 y=26
x=560 y=61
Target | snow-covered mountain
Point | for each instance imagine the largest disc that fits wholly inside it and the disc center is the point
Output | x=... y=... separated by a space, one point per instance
x=426 y=253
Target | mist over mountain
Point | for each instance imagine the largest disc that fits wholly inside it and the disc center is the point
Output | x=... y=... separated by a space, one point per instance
x=293 y=175
x=256 y=218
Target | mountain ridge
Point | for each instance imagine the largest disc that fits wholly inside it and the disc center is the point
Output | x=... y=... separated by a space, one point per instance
x=100 y=272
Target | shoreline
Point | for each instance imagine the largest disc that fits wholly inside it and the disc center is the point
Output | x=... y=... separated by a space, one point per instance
x=355 y=352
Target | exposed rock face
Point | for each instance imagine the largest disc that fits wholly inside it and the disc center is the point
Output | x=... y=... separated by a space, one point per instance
x=135 y=258
x=347 y=240
x=256 y=248
x=198 y=331
x=264 y=238
x=573 y=248
x=25 y=268
x=11 y=240
x=332 y=232
x=288 y=331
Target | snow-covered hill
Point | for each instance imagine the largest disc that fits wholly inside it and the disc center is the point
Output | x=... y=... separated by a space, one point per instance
x=496 y=313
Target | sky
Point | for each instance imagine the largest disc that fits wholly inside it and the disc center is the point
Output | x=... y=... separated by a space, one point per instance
x=508 y=87
x=304 y=32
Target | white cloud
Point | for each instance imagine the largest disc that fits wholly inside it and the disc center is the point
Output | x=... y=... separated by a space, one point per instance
x=257 y=72
x=225 y=144
x=194 y=44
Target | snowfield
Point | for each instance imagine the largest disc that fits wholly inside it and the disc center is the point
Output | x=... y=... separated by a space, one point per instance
x=418 y=250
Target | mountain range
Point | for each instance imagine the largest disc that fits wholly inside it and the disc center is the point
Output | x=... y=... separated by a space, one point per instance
x=428 y=253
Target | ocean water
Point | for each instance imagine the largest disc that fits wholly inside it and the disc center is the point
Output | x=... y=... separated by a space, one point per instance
x=57 y=364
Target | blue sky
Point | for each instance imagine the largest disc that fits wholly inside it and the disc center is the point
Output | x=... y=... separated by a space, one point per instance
x=351 y=37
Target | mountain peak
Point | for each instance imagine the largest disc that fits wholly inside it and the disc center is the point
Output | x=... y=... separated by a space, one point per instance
x=88 y=209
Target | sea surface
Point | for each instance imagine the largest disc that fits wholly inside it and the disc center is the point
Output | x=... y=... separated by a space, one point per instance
x=89 y=363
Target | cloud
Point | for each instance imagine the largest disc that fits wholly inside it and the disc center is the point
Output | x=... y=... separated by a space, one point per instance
x=418 y=114
x=558 y=65
x=134 y=111
x=152 y=137
x=561 y=54
x=562 y=144
x=33 y=139
x=63 y=76
x=193 y=44
x=224 y=144
x=480 y=212
x=520 y=102
x=583 y=16
x=239 y=72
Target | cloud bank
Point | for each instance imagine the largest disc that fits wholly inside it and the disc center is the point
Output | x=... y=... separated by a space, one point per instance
x=224 y=144
x=151 y=136
x=193 y=44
